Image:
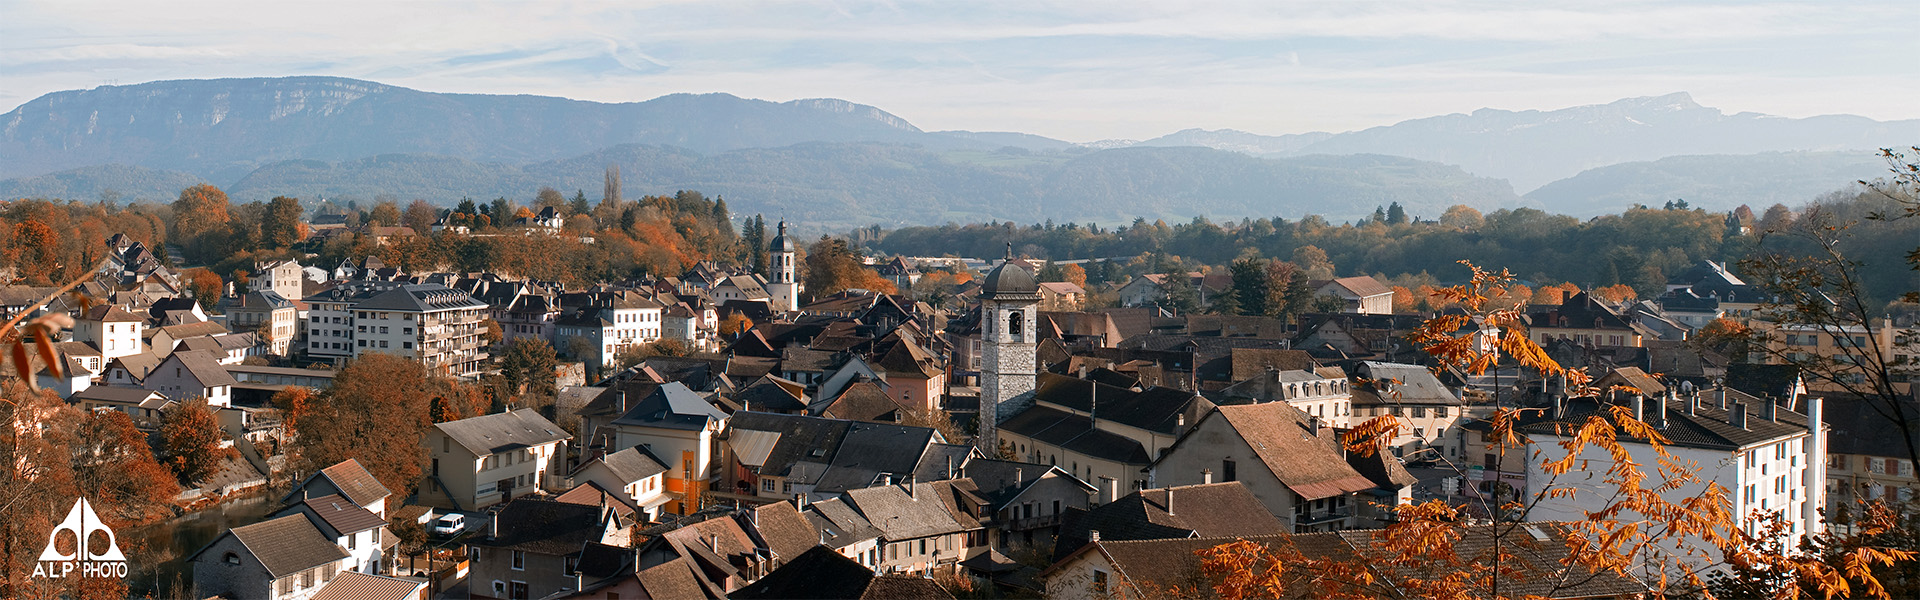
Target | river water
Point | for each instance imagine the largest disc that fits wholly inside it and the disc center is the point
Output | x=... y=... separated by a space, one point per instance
x=161 y=549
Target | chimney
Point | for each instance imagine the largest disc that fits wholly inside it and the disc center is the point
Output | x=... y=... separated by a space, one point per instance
x=1662 y=415
x=1019 y=476
x=1737 y=415
x=1639 y=405
x=1693 y=403
x=1770 y=410
x=949 y=466
x=493 y=527
x=713 y=543
x=1093 y=535
x=799 y=501
x=1720 y=397
x=579 y=580
x=1313 y=425
x=1169 y=501
x=1559 y=405
x=1206 y=476
x=1565 y=295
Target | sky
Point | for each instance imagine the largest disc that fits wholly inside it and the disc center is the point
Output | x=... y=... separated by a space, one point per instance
x=1078 y=71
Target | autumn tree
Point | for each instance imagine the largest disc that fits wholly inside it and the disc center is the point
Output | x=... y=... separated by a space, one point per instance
x=420 y=216
x=115 y=470
x=201 y=209
x=1463 y=217
x=192 y=437
x=1313 y=261
x=385 y=214
x=549 y=198
x=35 y=252
x=377 y=411
x=36 y=482
x=280 y=227
x=833 y=266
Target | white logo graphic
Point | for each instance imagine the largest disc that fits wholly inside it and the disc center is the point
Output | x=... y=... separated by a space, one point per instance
x=92 y=560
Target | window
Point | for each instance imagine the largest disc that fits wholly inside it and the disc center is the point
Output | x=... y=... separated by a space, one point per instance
x=1419 y=412
x=1099 y=582
x=285 y=585
x=766 y=484
x=353 y=539
x=1014 y=323
x=1440 y=412
x=306 y=578
x=923 y=547
x=230 y=558
x=519 y=560
x=1228 y=471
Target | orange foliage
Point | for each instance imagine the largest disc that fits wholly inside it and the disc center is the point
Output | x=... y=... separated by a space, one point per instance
x=1074 y=274
x=1616 y=293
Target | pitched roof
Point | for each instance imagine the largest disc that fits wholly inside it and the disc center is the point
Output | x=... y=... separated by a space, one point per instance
x=501 y=432
x=672 y=406
x=862 y=401
x=787 y=533
x=1397 y=383
x=343 y=515
x=109 y=314
x=544 y=526
x=588 y=493
x=419 y=297
x=772 y=394
x=1208 y=510
x=1279 y=434
x=630 y=465
x=287 y=545
x=816 y=574
x=204 y=367
x=1362 y=286
x=842 y=524
x=672 y=579
x=1708 y=426
x=355 y=482
x=1076 y=433
x=904 y=512
x=354 y=585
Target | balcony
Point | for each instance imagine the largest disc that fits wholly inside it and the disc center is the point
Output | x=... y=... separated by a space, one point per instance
x=1311 y=519
x=1033 y=522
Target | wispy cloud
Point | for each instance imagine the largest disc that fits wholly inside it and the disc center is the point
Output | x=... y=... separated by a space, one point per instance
x=1076 y=70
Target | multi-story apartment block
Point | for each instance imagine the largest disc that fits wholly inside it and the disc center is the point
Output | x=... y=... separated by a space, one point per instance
x=1764 y=454
x=596 y=327
x=266 y=313
x=434 y=324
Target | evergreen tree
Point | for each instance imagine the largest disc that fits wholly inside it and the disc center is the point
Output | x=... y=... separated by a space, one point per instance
x=1379 y=214
x=1250 y=287
x=579 y=204
x=1396 y=215
x=1181 y=297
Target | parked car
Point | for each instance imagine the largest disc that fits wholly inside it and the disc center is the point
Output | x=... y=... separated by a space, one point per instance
x=451 y=524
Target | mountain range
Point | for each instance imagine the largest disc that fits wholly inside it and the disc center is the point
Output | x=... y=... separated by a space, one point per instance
x=848 y=163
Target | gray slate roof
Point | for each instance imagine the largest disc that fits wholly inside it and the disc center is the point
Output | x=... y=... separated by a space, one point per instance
x=288 y=545
x=488 y=434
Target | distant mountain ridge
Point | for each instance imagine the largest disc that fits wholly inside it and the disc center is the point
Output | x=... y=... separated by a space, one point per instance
x=343 y=137
x=222 y=129
x=1531 y=148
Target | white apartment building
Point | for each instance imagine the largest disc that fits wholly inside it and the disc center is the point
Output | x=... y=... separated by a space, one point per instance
x=434 y=324
x=610 y=322
x=1763 y=454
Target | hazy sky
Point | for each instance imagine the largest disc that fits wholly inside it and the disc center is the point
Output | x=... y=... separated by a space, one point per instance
x=1079 y=71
